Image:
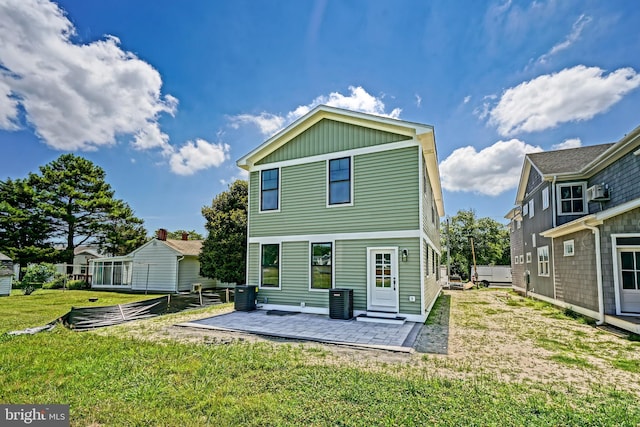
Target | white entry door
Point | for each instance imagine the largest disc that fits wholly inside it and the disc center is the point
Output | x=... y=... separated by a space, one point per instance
x=383 y=279
x=629 y=280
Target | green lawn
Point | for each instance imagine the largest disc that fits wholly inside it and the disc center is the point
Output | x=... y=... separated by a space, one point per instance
x=112 y=380
x=20 y=311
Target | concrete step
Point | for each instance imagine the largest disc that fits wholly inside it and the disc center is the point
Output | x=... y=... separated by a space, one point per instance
x=372 y=318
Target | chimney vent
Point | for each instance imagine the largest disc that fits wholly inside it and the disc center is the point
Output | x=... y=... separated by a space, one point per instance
x=185 y=235
x=162 y=234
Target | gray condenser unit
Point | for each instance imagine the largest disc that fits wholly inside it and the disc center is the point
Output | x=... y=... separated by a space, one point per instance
x=245 y=298
x=341 y=304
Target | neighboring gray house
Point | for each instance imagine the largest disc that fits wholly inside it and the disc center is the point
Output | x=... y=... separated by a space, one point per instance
x=6 y=274
x=160 y=265
x=576 y=230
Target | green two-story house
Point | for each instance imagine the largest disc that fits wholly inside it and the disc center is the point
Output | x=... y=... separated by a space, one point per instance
x=342 y=199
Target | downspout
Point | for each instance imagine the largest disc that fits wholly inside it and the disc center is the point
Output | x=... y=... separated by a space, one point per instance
x=553 y=200
x=596 y=232
x=178 y=273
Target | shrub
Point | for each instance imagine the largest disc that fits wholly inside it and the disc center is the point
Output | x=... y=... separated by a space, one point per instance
x=35 y=275
x=76 y=285
x=56 y=283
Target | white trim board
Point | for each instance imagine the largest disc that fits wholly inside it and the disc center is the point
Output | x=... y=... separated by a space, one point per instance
x=401 y=234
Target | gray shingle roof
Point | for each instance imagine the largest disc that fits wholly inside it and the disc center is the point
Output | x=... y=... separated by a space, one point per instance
x=571 y=160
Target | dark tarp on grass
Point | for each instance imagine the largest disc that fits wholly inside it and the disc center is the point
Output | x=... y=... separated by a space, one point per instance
x=81 y=318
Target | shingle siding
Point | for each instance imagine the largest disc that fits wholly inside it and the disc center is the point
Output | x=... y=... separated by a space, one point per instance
x=576 y=279
x=623 y=179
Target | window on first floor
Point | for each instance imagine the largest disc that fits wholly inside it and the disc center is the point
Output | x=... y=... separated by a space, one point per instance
x=528 y=257
x=321 y=265
x=569 y=247
x=571 y=198
x=270 y=266
x=630 y=269
x=543 y=261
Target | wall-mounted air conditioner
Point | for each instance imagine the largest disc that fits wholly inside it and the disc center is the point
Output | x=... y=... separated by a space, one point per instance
x=597 y=193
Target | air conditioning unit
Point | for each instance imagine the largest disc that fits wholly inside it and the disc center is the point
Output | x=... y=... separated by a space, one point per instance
x=597 y=193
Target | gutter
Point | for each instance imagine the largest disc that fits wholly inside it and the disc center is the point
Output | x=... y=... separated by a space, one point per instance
x=596 y=232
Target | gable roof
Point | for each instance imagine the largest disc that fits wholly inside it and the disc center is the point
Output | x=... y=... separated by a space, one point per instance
x=421 y=133
x=3 y=257
x=185 y=247
x=571 y=160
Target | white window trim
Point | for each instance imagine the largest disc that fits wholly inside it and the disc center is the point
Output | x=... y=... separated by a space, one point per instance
x=585 y=206
x=260 y=210
x=528 y=257
x=533 y=240
x=515 y=260
x=273 y=288
x=616 y=267
x=545 y=198
x=521 y=259
x=569 y=244
x=351 y=175
x=525 y=210
x=333 y=257
x=548 y=273
x=531 y=208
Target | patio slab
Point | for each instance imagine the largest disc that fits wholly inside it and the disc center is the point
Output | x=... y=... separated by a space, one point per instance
x=315 y=327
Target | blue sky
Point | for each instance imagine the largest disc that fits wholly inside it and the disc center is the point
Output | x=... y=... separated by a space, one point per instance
x=166 y=96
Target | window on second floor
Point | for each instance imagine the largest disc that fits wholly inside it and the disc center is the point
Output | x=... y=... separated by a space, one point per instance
x=340 y=181
x=531 y=208
x=545 y=198
x=269 y=183
x=571 y=198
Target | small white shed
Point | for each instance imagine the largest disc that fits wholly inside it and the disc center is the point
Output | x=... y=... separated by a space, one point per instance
x=6 y=274
x=159 y=266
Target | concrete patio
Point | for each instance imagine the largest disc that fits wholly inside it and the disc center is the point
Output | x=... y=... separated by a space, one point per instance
x=315 y=327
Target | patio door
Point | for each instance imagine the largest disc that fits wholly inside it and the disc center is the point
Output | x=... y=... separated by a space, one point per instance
x=629 y=280
x=382 y=279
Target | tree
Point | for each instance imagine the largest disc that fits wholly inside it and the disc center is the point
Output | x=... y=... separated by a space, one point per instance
x=122 y=232
x=24 y=229
x=77 y=201
x=177 y=235
x=490 y=239
x=224 y=250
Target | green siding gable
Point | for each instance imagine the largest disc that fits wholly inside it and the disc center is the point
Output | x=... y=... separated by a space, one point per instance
x=330 y=136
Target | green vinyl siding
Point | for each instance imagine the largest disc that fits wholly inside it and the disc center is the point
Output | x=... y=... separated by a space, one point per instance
x=385 y=198
x=330 y=136
x=350 y=271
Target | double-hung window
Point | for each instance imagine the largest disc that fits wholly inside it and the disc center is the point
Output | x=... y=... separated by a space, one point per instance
x=270 y=266
x=269 y=183
x=571 y=198
x=340 y=181
x=543 y=261
x=321 y=265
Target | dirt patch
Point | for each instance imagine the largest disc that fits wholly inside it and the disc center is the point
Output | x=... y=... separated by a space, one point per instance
x=489 y=332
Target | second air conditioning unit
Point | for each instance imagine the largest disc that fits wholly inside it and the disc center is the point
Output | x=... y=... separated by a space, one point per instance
x=597 y=193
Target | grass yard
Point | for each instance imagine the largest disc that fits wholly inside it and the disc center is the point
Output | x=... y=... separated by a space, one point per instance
x=20 y=311
x=138 y=374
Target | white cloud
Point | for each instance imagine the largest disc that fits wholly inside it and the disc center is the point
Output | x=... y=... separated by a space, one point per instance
x=571 y=38
x=357 y=100
x=573 y=94
x=241 y=174
x=76 y=96
x=84 y=96
x=191 y=158
x=491 y=171
x=418 y=100
x=466 y=99
x=567 y=143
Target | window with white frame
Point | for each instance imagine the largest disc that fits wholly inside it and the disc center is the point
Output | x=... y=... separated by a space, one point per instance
x=340 y=181
x=270 y=266
x=543 y=261
x=525 y=210
x=321 y=265
x=571 y=198
x=528 y=257
x=515 y=259
x=269 y=189
x=569 y=247
x=521 y=259
x=545 y=198
x=533 y=240
x=531 y=210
